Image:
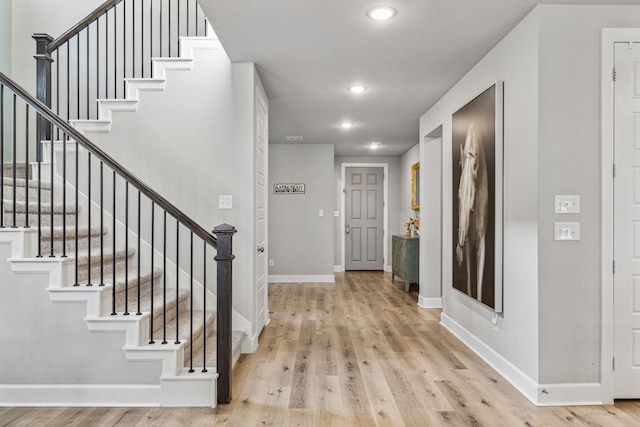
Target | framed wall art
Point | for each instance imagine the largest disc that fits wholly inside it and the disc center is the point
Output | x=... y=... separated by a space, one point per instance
x=477 y=145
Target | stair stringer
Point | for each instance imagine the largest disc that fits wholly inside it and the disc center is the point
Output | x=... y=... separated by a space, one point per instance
x=134 y=86
x=177 y=386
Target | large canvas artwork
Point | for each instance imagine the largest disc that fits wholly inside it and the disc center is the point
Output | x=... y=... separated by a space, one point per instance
x=477 y=197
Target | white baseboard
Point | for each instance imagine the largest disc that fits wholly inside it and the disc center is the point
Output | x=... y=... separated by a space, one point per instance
x=330 y=278
x=521 y=381
x=429 y=302
x=97 y=395
x=387 y=268
x=338 y=269
x=569 y=394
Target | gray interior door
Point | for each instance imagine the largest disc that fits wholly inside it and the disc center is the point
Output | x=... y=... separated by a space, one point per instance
x=363 y=218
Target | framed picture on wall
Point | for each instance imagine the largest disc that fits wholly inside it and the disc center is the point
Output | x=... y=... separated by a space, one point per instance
x=477 y=145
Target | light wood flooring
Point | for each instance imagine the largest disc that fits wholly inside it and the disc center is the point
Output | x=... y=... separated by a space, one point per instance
x=359 y=352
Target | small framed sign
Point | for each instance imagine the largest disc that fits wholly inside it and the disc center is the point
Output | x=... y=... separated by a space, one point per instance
x=288 y=188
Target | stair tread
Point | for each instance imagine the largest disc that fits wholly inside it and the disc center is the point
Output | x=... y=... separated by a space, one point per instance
x=45 y=207
x=21 y=182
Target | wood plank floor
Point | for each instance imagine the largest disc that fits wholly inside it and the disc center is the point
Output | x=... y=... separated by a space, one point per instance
x=359 y=352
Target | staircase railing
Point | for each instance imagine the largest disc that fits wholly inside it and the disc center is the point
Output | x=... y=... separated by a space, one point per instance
x=74 y=182
x=115 y=42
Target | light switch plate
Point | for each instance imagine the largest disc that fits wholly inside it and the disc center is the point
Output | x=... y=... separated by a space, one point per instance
x=566 y=204
x=225 y=202
x=567 y=230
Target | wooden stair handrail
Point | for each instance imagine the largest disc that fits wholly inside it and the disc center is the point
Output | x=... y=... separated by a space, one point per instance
x=73 y=31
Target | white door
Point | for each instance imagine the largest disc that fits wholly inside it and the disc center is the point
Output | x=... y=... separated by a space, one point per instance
x=364 y=207
x=626 y=285
x=261 y=137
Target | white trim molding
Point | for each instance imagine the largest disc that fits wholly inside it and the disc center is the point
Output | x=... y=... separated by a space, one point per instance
x=539 y=394
x=429 y=302
x=338 y=268
x=97 y=395
x=609 y=37
x=521 y=381
x=330 y=278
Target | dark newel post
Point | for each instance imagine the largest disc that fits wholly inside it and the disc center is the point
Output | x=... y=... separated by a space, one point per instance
x=43 y=84
x=224 y=258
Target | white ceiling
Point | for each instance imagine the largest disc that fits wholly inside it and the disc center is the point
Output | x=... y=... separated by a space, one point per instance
x=308 y=52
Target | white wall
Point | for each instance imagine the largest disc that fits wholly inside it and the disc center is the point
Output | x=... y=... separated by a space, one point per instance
x=550 y=329
x=5 y=37
x=569 y=158
x=515 y=339
x=38 y=334
x=51 y=17
x=395 y=222
x=301 y=242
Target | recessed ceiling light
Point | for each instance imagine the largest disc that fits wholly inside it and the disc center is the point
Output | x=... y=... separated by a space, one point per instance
x=357 y=89
x=374 y=145
x=346 y=125
x=381 y=13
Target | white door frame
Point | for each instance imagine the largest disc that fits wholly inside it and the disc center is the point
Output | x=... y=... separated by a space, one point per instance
x=385 y=225
x=609 y=37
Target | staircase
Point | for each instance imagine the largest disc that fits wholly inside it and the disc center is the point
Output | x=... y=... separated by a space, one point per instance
x=60 y=221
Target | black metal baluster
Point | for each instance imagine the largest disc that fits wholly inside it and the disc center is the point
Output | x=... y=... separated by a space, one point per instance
x=115 y=53
x=77 y=282
x=68 y=43
x=197 y=34
x=191 y=305
x=113 y=251
x=161 y=9
x=142 y=38
x=164 y=280
x=87 y=83
x=15 y=164
x=106 y=54
x=26 y=164
x=101 y=224
x=89 y=218
x=39 y=192
x=177 y=280
x=151 y=37
x=126 y=248
x=124 y=50
x=51 y=195
x=97 y=66
x=153 y=235
x=204 y=302
x=64 y=194
x=139 y=253
x=133 y=39
x=58 y=86
x=78 y=76
x=188 y=22
x=169 y=25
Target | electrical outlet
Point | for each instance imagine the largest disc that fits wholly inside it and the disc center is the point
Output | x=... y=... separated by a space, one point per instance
x=567 y=231
x=566 y=204
x=225 y=202
x=271 y=263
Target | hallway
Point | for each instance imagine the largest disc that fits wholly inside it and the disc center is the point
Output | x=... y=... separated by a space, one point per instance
x=359 y=352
